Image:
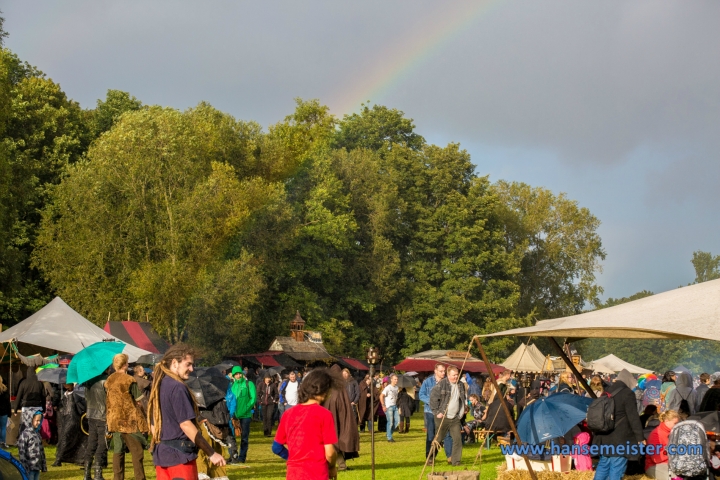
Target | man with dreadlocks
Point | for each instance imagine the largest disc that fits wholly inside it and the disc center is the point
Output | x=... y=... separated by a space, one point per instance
x=173 y=417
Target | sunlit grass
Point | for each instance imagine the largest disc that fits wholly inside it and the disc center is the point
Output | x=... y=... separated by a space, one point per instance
x=402 y=460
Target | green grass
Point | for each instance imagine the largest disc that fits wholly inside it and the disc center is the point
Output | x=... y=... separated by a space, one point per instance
x=402 y=460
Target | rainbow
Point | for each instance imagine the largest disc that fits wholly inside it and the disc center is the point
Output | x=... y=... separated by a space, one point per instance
x=405 y=57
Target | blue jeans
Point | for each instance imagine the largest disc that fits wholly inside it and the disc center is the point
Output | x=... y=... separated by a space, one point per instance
x=610 y=468
x=244 y=437
x=3 y=428
x=393 y=420
x=33 y=475
x=430 y=425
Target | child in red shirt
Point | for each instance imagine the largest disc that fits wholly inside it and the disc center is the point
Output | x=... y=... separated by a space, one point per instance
x=656 y=466
x=308 y=430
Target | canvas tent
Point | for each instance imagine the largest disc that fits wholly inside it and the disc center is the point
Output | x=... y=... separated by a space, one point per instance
x=687 y=313
x=526 y=359
x=611 y=362
x=56 y=326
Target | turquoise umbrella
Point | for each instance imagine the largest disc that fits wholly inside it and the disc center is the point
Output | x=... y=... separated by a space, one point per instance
x=92 y=361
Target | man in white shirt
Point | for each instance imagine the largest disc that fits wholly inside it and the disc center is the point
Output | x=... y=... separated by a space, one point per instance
x=388 y=400
x=289 y=393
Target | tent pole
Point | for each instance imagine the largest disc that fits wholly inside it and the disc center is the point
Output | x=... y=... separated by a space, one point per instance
x=571 y=365
x=488 y=365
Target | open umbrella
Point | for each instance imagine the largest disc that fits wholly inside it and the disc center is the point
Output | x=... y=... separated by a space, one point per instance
x=149 y=359
x=208 y=384
x=405 y=381
x=92 y=361
x=551 y=417
x=226 y=365
x=53 y=375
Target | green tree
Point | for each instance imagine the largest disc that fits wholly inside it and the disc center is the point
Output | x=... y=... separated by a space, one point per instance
x=373 y=128
x=42 y=132
x=107 y=112
x=707 y=266
x=144 y=224
x=559 y=246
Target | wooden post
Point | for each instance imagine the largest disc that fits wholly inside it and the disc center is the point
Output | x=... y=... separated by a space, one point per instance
x=570 y=364
x=488 y=365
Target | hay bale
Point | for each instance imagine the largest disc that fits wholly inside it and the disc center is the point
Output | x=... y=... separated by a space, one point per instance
x=457 y=475
x=504 y=474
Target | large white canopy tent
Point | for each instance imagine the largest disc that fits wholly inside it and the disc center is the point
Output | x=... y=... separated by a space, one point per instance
x=526 y=359
x=58 y=327
x=617 y=364
x=687 y=313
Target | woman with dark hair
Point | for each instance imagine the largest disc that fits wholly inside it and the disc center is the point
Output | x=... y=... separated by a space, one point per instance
x=310 y=454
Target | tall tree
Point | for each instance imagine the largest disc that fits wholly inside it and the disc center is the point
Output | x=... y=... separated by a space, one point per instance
x=707 y=266
x=377 y=127
x=42 y=132
x=559 y=247
x=144 y=224
x=109 y=111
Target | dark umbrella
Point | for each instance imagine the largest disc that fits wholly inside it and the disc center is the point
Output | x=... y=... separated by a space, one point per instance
x=53 y=375
x=150 y=359
x=226 y=365
x=710 y=420
x=275 y=370
x=551 y=417
x=208 y=384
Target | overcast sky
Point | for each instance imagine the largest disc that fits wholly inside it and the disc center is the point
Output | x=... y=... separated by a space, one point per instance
x=616 y=103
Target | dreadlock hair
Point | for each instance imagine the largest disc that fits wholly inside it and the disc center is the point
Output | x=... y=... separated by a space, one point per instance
x=318 y=383
x=177 y=352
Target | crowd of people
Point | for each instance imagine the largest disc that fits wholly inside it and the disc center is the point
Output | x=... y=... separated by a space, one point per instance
x=315 y=417
x=659 y=412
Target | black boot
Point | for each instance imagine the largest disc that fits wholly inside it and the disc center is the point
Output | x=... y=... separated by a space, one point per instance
x=98 y=473
x=87 y=476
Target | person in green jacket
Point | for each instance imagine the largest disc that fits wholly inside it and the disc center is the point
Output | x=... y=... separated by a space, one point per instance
x=240 y=399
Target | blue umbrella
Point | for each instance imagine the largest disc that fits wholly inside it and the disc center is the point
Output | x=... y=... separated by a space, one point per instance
x=551 y=417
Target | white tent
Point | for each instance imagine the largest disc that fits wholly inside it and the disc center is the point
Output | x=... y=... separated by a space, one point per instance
x=58 y=327
x=688 y=313
x=617 y=364
x=526 y=358
x=600 y=368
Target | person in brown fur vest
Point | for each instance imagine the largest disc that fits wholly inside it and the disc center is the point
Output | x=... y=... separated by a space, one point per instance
x=125 y=419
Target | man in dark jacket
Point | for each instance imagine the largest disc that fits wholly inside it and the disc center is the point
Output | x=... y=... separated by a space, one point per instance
x=269 y=397
x=701 y=390
x=353 y=390
x=612 y=464
x=31 y=393
x=711 y=399
x=95 y=397
x=447 y=401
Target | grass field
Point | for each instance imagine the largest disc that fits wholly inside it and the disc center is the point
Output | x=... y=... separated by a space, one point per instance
x=402 y=460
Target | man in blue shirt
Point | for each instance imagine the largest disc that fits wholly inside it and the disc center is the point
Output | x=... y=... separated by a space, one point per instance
x=425 y=389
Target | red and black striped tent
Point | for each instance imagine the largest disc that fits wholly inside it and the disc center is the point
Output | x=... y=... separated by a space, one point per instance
x=139 y=334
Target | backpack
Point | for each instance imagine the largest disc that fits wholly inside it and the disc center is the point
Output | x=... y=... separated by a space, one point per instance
x=687 y=463
x=684 y=405
x=601 y=414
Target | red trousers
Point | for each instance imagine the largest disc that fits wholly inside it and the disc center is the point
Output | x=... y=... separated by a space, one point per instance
x=186 y=471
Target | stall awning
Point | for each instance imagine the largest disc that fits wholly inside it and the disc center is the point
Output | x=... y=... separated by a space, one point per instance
x=427 y=365
x=687 y=313
x=354 y=363
x=267 y=361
